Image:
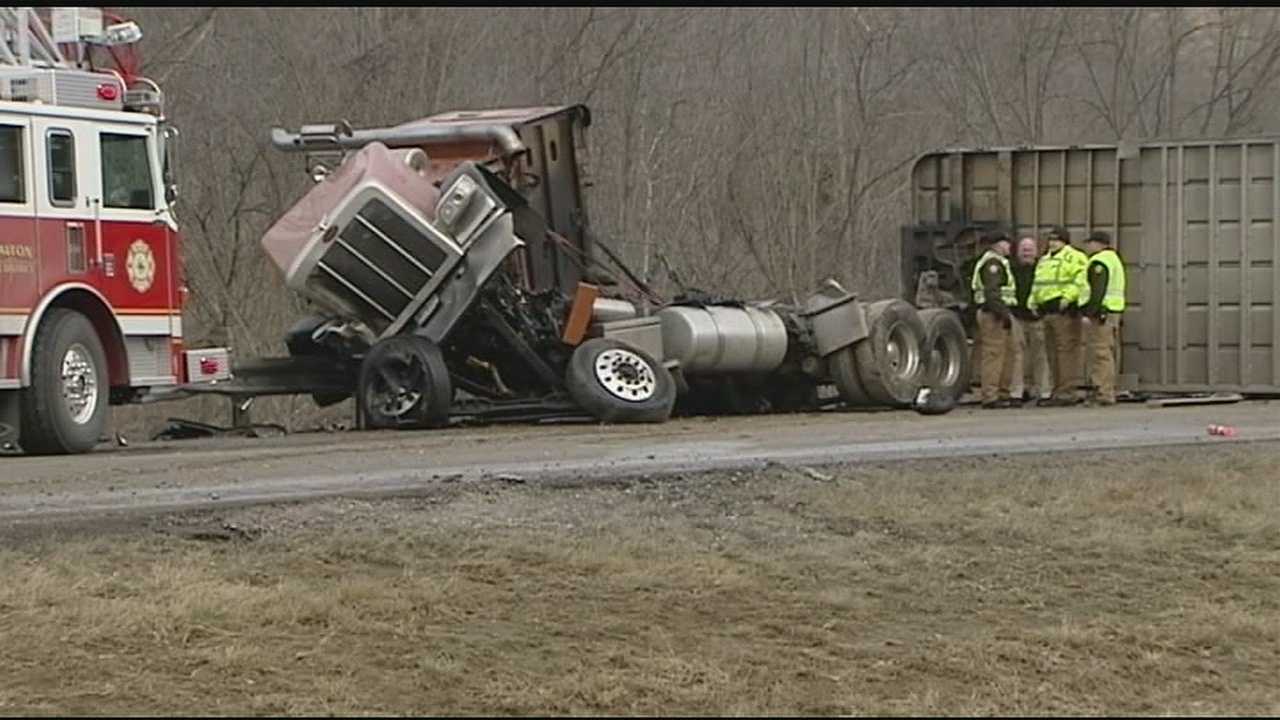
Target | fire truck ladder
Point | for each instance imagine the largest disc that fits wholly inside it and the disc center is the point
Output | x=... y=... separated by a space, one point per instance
x=26 y=41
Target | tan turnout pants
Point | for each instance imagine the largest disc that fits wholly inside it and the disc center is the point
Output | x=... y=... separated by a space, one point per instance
x=1032 y=358
x=1063 y=335
x=1103 y=339
x=997 y=349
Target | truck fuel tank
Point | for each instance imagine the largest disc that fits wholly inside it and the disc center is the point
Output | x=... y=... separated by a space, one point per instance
x=723 y=338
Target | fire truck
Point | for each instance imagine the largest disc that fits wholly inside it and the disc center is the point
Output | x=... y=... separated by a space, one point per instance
x=91 y=285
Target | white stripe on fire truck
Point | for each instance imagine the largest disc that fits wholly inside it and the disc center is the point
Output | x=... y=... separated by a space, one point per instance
x=15 y=324
x=150 y=324
x=12 y=324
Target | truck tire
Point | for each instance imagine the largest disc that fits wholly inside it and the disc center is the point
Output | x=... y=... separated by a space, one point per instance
x=619 y=383
x=64 y=410
x=404 y=383
x=842 y=365
x=946 y=355
x=890 y=366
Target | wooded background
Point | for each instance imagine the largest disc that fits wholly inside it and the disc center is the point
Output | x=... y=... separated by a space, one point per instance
x=757 y=151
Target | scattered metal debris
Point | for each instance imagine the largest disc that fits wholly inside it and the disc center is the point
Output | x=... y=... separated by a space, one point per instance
x=183 y=429
x=1214 y=399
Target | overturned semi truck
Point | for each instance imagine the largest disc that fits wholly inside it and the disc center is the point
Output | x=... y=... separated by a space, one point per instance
x=454 y=273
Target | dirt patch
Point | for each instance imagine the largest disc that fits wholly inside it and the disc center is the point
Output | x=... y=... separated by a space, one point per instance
x=1144 y=582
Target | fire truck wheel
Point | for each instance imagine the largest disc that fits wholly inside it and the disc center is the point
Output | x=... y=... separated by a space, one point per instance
x=619 y=383
x=65 y=408
x=889 y=358
x=404 y=383
x=946 y=353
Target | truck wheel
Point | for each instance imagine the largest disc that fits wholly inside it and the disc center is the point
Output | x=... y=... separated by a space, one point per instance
x=889 y=358
x=946 y=354
x=842 y=365
x=616 y=382
x=65 y=408
x=404 y=383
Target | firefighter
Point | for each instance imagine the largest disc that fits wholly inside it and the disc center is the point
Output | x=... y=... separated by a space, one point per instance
x=993 y=295
x=1059 y=279
x=1102 y=311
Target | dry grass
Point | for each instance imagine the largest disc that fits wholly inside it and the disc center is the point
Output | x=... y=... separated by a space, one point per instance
x=937 y=588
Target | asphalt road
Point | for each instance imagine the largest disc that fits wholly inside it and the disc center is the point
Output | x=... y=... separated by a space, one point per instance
x=207 y=474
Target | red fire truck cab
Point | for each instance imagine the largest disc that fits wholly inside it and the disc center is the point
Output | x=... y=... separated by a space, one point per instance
x=91 y=284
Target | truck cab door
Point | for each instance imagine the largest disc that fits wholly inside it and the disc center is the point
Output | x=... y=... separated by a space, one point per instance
x=63 y=190
x=137 y=243
x=19 y=249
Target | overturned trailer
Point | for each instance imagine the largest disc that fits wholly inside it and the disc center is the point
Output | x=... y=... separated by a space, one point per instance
x=1196 y=222
x=454 y=273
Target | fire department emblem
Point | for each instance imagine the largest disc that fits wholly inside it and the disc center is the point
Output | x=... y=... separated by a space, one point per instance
x=141 y=265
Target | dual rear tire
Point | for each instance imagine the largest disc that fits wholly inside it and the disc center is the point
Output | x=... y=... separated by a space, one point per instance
x=905 y=351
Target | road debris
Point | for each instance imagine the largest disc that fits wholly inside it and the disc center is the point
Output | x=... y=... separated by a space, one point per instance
x=819 y=476
x=1213 y=399
x=184 y=429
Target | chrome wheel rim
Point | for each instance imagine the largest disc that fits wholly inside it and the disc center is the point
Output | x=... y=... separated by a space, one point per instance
x=946 y=358
x=79 y=384
x=625 y=375
x=902 y=353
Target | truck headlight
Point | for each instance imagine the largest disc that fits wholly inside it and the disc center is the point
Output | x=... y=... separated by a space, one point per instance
x=455 y=201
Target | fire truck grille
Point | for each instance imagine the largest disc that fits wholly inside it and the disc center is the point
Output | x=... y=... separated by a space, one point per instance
x=379 y=260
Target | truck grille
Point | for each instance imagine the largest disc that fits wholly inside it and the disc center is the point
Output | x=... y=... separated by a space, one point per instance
x=380 y=260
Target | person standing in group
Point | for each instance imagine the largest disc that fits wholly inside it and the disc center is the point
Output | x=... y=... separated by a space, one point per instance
x=1101 y=312
x=1031 y=376
x=1059 y=287
x=993 y=295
